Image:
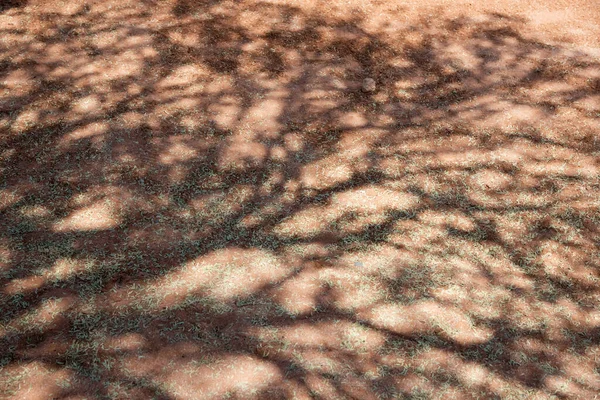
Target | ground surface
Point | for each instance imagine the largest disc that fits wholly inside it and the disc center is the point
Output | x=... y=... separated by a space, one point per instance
x=198 y=201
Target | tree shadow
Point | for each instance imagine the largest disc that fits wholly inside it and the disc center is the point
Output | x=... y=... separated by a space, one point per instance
x=200 y=198
x=9 y=4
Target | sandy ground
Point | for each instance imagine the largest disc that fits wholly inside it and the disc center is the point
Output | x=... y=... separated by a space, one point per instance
x=200 y=200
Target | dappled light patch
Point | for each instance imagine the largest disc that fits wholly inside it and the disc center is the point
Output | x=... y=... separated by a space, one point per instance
x=65 y=268
x=360 y=207
x=222 y=276
x=240 y=375
x=398 y=319
x=129 y=342
x=242 y=272
x=299 y=295
x=353 y=290
x=93 y=132
x=326 y=173
x=428 y=317
x=20 y=80
x=47 y=316
x=491 y=180
x=97 y=216
x=38 y=380
x=265 y=115
x=178 y=152
x=243 y=154
x=312 y=335
x=88 y=105
x=455 y=220
x=22 y=285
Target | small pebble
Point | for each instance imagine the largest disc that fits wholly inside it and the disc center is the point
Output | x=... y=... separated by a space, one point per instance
x=369 y=85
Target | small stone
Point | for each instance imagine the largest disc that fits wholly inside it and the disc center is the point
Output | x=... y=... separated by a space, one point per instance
x=369 y=85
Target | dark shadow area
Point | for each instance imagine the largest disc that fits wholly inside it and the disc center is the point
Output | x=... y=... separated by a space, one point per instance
x=8 y=4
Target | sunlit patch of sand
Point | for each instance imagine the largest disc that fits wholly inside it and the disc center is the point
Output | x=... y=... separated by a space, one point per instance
x=299 y=295
x=6 y=255
x=36 y=211
x=426 y=316
x=226 y=112
x=264 y=116
x=24 y=285
x=242 y=154
x=129 y=342
x=240 y=374
x=451 y=219
x=20 y=80
x=369 y=200
x=65 y=268
x=40 y=381
x=179 y=151
x=97 y=216
x=25 y=119
x=92 y=131
x=48 y=315
x=351 y=290
x=326 y=173
x=222 y=275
